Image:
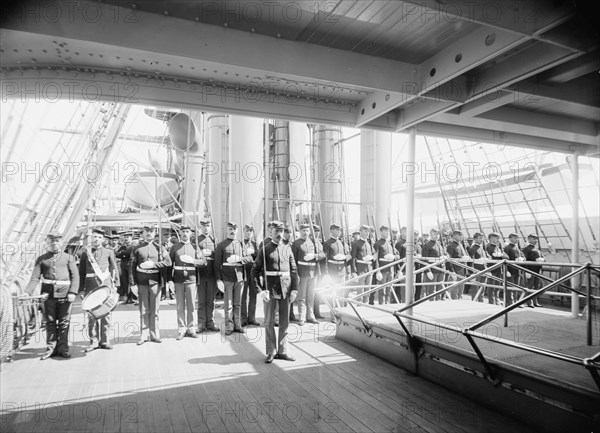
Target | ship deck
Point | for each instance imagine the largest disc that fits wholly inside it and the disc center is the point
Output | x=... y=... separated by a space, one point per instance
x=221 y=384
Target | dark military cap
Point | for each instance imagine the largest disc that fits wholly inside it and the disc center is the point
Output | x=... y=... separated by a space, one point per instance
x=231 y=224
x=493 y=235
x=532 y=235
x=185 y=227
x=513 y=235
x=457 y=232
x=316 y=228
x=434 y=230
x=355 y=233
x=54 y=236
x=304 y=226
x=248 y=227
x=477 y=235
x=364 y=227
x=384 y=228
x=277 y=225
x=149 y=227
x=99 y=231
x=334 y=226
x=205 y=221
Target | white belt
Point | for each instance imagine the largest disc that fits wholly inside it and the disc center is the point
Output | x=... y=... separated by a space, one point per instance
x=363 y=262
x=93 y=274
x=233 y=264
x=277 y=274
x=306 y=263
x=147 y=271
x=336 y=262
x=57 y=282
x=385 y=261
x=184 y=268
x=208 y=258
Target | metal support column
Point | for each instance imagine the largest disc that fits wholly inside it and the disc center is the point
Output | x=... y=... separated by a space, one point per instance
x=410 y=218
x=575 y=231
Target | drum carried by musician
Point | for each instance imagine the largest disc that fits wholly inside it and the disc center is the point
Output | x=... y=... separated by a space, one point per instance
x=98 y=278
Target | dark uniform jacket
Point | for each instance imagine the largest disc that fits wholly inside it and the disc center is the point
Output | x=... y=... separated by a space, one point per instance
x=53 y=267
x=433 y=249
x=513 y=252
x=401 y=248
x=184 y=272
x=123 y=253
x=455 y=251
x=306 y=268
x=478 y=252
x=360 y=249
x=532 y=253
x=277 y=258
x=331 y=248
x=383 y=247
x=207 y=246
x=230 y=271
x=105 y=257
x=495 y=252
x=148 y=251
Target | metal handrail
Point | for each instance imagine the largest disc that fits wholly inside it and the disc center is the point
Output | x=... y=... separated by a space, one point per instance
x=590 y=364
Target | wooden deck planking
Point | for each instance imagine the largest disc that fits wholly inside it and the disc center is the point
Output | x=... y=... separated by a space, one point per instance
x=211 y=383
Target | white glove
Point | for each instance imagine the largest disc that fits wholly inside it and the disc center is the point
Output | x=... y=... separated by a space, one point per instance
x=309 y=257
x=171 y=285
x=430 y=275
x=234 y=259
x=250 y=250
x=443 y=257
x=293 y=295
x=134 y=289
x=207 y=252
x=265 y=295
x=148 y=264
x=389 y=257
x=454 y=276
x=44 y=296
x=417 y=256
x=479 y=261
x=466 y=258
x=520 y=259
x=339 y=256
x=71 y=297
x=379 y=276
x=368 y=258
x=508 y=274
x=221 y=286
x=540 y=259
x=348 y=257
x=186 y=259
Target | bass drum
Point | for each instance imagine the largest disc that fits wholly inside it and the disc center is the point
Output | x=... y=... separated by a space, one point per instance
x=100 y=301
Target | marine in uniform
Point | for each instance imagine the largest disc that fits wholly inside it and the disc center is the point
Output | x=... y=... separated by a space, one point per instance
x=417 y=253
x=147 y=260
x=514 y=254
x=276 y=263
x=362 y=257
x=206 y=284
x=123 y=253
x=230 y=259
x=456 y=251
x=183 y=279
x=479 y=255
x=385 y=253
x=337 y=257
x=306 y=255
x=495 y=252
x=58 y=274
x=249 y=291
x=92 y=276
x=433 y=251
x=533 y=254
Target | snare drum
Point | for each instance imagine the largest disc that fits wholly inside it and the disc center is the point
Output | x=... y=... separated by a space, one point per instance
x=100 y=301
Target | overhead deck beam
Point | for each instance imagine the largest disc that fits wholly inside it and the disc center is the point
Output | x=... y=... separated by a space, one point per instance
x=461 y=132
x=229 y=48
